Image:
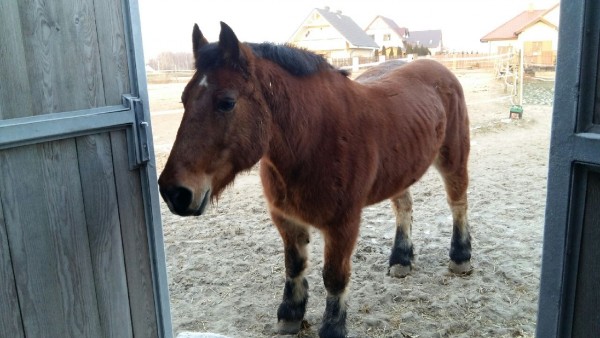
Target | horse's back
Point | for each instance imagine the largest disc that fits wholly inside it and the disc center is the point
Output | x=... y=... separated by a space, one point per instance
x=415 y=82
x=426 y=70
x=421 y=113
x=383 y=69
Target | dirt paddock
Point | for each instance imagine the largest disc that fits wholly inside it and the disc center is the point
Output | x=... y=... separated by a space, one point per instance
x=226 y=270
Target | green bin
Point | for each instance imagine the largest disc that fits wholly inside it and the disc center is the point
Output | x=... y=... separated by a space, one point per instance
x=516 y=111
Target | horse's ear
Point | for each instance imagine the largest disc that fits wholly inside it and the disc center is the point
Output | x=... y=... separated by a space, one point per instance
x=229 y=44
x=198 y=40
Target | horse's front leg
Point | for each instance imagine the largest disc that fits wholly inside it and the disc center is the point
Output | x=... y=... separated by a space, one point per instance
x=339 y=244
x=295 y=293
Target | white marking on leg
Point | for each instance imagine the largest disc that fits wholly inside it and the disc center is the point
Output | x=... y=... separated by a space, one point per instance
x=402 y=206
x=203 y=82
x=299 y=291
x=459 y=217
x=344 y=298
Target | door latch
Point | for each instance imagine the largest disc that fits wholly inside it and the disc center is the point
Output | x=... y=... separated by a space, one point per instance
x=137 y=135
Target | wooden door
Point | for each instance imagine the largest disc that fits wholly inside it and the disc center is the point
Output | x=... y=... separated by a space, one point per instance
x=570 y=281
x=81 y=252
x=535 y=52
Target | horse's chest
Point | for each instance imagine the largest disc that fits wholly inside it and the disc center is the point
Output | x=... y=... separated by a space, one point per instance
x=306 y=201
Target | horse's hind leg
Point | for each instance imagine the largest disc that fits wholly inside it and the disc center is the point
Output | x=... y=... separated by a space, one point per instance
x=456 y=179
x=402 y=251
x=295 y=294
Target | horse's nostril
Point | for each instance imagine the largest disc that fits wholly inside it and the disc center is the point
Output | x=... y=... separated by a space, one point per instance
x=178 y=198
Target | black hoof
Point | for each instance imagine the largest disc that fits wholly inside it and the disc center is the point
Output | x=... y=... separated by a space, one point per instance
x=464 y=268
x=289 y=327
x=334 y=318
x=291 y=312
x=329 y=330
x=402 y=252
x=399 y=270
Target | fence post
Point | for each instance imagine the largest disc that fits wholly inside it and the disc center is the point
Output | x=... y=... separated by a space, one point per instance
x=355 y=63
x=521 y=74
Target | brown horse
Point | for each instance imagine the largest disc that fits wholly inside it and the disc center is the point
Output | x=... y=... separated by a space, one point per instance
x=328 y=146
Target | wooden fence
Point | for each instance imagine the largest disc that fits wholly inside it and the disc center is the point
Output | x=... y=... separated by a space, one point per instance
x=492 y=62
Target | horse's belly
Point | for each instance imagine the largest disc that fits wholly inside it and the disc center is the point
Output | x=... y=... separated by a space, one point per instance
x=389 y=185
x=397 y=169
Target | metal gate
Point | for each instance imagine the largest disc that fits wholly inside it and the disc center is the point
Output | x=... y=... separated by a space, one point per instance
x=570 y=282
x=81 y=249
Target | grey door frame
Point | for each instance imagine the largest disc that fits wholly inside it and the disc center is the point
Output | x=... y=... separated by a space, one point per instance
x=574 y=152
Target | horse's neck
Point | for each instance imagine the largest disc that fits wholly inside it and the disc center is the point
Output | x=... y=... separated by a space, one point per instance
x=297 y=116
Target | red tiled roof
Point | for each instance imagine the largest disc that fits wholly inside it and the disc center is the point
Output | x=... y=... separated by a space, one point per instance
x=512 y=28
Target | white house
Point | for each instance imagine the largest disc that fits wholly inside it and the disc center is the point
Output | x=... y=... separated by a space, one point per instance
x=333 y=35
x=386 y=33
x=432 y=39
x=534 y=31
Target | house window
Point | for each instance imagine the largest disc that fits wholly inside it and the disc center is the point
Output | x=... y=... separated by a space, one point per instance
x=387 y=37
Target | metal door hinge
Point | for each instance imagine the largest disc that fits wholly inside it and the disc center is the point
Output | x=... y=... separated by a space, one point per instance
x=137 y=136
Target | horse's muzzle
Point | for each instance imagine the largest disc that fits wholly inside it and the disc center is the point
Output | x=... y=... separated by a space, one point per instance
x=180 y=200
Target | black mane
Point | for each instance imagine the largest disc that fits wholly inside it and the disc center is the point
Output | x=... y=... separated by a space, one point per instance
x=296 y=61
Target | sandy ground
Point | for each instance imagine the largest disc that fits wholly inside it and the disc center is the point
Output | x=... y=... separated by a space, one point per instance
x=226 y=270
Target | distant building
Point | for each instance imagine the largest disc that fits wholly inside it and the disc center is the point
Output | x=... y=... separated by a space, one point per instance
x=534 y=31
x=333 y=35
x=432 y=39
x=386 y=33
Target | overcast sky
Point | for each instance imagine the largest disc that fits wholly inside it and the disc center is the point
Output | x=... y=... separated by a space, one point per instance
x=167 y=24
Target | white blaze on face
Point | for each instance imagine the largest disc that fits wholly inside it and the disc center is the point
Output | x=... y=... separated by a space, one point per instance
x=203 y=82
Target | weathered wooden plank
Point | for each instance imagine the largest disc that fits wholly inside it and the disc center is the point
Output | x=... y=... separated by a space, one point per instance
x=45 y=222
x=104 y=231
x=15 y=94
x=28 y=232
x=135 y=240
x=10 y=314
x=67 y=225
x=112 y=46
x=61 y=53
x=83 y=24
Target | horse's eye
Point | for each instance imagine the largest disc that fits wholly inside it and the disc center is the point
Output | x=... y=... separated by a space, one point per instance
x=225 y=105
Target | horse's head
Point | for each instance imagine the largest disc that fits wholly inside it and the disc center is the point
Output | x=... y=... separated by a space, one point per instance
x=225 y=125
